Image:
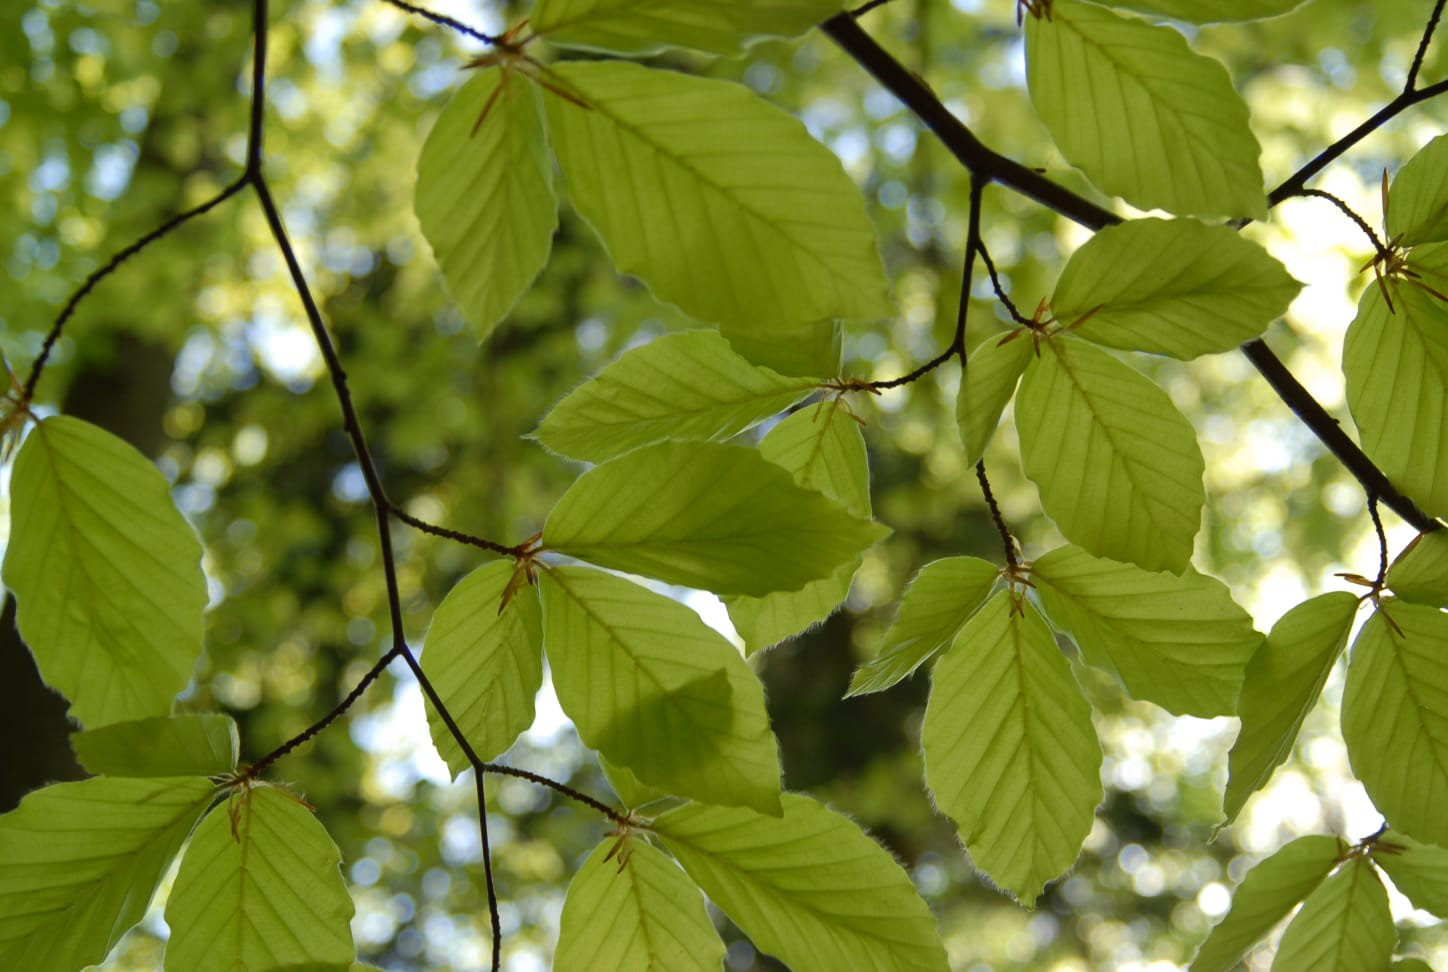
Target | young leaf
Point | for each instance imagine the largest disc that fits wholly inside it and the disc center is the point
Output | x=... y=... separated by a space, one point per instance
x=810 y=887
x=681 y=386
x=1117 y=466
x=1396 y=363
x=1420 y=572
x=1178 y=640
x=717 y=517
x=811 y=350
x=184 y=745
x=485 y=197
x=1010 y=751
x=824 y=451
x=656 y=690
x=1172 y=286
x=650 y=26
x=1211 y=11
x=1284 y=678
x=260 y=887
x=1418 y=870
x=1162 y=127
x=938 y=601
x=106 y=573
x=1344 y=926
x=486 y=663
x=1418 y=199
x=1268 y=892
x=632 y=792
x=719 y=201
x=1393 y=717
x=986 y=386
x=630 y=909
x=81 y=861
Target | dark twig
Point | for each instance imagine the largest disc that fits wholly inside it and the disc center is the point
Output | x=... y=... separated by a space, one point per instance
x=568 y=791
x=443 y=20
x=995 y=514
x=1000 y=292
x=1382 y=541
x=865 y=8
x=1427 y=38
x=1351 y=214
x=465 y=538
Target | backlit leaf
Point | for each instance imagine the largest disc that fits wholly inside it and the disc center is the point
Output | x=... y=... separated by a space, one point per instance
x=183 y=745
x=1418 y=870
x=1178 y=640
x=810 y=888
x=1418 y=198
x=486 y=665
x=632 y=792
x=1010 y=751
x=719 y=201
x=260 y=887
x=681 y=386
x=1117 y=466
x=630 y=909
x=1141 y=114
x=106 y=573
x=717 y=517
x=1175 y=287
x=81 y=861
x=485 y=196
x=1284 y=678
x=811 y=350
x=1344 y=926
x=649 y=26
x=987 y=385
x=937 y=603
x=1420 y=572
x=1211 y=11
x=656 y=690
x=1395 y=717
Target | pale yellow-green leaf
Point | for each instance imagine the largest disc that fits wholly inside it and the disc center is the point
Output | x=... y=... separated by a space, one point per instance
x=80 y=861
x=809 y=887
x=630 y=909
x=1420 y=572
x=485 y=197
x=1178 y=640
x=486 y=664
x=260 y=887
x=1141 y=114
x=938 y=601
x=1343 y=926
x=1010 y=751
x=689 y=385
x=811 y=350
x=719 y=201
x=657 y=691
x=1395 y=717
x=1211 y=11
x=1396 y=365
x=1117 y=465
x=1418 y=870
x=632 y=792
x=1284 y=678
x=183 y=745
x=1418 y=197
x=986 y=386
x=1172 y=286
x=718 y=517
x=106 y=573
x=650 y=26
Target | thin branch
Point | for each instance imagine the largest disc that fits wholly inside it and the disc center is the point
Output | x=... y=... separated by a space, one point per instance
x=1000 y=292
x=1382 y=541
x=995 y=514
x=1427 y=38
x=443 y=20
x=499 y=769
x=1351 y=214
x=456 y=535
x=865 y=8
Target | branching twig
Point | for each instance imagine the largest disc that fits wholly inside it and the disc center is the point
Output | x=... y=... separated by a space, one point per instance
x=1000 y=292
x=995 y=514
x=1412 y=82
x=1351 y=214
x=499 y=769
x=456 y=535
x=1382 y=541
x=444 y=21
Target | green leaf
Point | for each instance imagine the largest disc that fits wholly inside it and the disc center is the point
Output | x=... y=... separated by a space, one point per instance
x=184 y=745
x=810 y=888
x=1395 y=717
x=1178 y=640
x=656 y=690
x=1141 y=114
x=486 y=664
x=81 y=863
x=1418 y=198
x=260 y=887
x=681 y=386
x=711 y=516
x=825 y=452
x=1411 y=965
x=485 y=197
x=1418 y=870
x=719 y=201
x=1284 y=678
x=1396 y=365
x=986 y=386
x=938 y=601
x=1211 y=11
x=630 y=909
x=810 y=350
x=106 y=573
x=650 y=26
x=1010 y=751
x=632 y=792
x=1172 y=286
x=1268 y=892
x=1117 y=466
x=1344 y=926
x=1420 y=573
